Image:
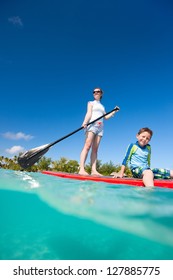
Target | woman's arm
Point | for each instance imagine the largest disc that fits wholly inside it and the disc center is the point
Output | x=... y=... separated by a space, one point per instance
x=88 y=114
x=112 y=114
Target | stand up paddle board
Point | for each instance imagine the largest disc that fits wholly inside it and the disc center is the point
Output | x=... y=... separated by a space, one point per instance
x=106 y=179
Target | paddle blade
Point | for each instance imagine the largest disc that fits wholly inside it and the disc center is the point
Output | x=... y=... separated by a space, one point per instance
x=30 y=157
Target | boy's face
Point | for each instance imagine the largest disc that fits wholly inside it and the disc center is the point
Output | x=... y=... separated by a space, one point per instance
x=143 y=138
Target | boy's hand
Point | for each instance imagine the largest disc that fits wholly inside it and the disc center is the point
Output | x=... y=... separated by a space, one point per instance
x=118 y=176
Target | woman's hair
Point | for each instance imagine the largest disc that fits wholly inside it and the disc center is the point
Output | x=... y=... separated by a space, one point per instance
x=145 y=129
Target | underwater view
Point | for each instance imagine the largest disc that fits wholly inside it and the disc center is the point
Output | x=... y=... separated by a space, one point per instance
x=50 y=218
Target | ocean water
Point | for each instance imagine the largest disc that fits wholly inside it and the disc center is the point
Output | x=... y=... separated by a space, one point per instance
x=50 y=218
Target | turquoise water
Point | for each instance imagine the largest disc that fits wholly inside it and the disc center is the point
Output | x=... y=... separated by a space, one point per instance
x=45 y=217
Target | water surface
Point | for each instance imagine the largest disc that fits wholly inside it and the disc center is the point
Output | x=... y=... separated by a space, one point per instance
x=45 y=217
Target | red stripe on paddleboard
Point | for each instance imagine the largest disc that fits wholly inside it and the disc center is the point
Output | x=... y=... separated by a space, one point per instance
x=118 y=181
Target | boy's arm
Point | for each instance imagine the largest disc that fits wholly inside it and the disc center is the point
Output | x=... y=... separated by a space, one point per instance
x=149 y=155
x=125 y=161
x=123 y=168
x=121 y=174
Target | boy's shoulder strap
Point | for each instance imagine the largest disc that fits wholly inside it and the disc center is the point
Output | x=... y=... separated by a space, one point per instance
x=148 y=147
x=149 y=153
x=133 y=147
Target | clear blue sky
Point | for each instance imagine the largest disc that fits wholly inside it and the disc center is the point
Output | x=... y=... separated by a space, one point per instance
x=53 y=53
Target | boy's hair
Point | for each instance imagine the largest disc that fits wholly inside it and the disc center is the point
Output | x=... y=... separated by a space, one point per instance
x=145 y=129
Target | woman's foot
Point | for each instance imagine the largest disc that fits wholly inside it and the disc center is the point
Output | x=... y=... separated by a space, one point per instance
x=82 y=172
x=95 y=173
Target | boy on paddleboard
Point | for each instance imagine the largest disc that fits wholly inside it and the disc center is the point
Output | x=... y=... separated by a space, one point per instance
x=138 y=157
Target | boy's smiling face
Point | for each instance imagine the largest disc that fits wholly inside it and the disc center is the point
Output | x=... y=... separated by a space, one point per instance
x=143 y=138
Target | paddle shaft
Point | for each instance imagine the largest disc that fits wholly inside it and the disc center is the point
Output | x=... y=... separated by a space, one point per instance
x=32 y=156
x=80 y=128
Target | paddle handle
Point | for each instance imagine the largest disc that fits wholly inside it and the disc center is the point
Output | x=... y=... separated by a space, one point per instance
x=80 y=128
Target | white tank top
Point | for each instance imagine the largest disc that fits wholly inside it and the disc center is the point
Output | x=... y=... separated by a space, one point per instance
x=98 y=110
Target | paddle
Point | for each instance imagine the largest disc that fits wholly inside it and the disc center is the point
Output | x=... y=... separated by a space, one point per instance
x=28 y=158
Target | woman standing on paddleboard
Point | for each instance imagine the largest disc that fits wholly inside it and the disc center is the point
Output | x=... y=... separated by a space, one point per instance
x=94 y=132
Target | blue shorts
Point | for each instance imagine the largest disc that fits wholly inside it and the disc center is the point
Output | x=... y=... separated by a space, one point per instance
x=159 y=173
x=96 y=128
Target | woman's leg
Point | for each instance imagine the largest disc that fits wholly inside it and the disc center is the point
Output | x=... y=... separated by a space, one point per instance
x=95 y=145
x=84 y=153
x=148 y=178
